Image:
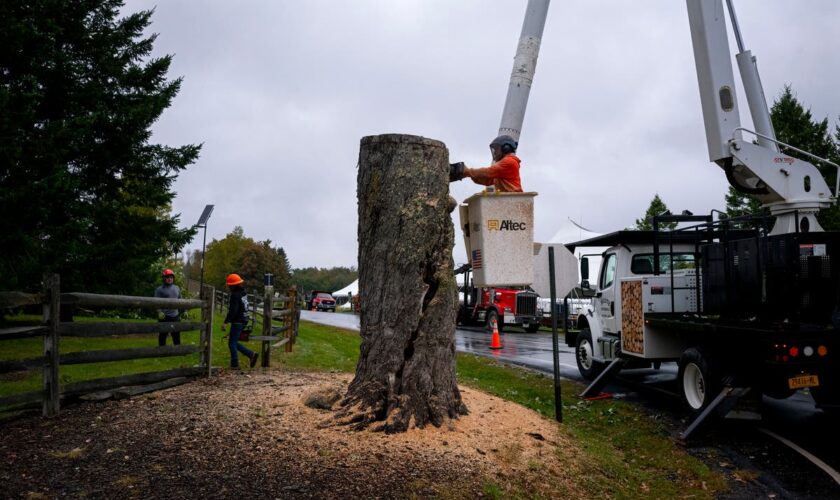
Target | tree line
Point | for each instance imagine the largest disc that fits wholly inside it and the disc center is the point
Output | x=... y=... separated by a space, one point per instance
x=251 y=259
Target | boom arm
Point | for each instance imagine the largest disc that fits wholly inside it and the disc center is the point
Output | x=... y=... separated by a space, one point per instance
x=524 y=66
x=792 y=189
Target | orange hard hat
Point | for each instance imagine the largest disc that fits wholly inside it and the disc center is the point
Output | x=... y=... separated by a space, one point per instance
x=233 y=279
x=168 y=272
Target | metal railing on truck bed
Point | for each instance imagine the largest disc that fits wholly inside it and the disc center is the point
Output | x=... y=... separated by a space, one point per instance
x=746 y=275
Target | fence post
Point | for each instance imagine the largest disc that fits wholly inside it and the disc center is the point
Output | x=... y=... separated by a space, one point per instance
x=297 y=303
x=51 y=317
x=209 y=296
x=268 y=308
x=289 y=319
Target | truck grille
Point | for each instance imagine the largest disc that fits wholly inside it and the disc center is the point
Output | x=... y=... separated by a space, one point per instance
x=526 y=304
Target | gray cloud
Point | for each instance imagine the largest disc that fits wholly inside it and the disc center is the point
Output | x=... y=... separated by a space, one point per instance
x=281 y=92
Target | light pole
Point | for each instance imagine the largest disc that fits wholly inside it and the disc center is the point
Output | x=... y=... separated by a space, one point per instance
x=202 y=223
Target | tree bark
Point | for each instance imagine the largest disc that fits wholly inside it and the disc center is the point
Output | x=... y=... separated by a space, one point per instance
x=406 y=369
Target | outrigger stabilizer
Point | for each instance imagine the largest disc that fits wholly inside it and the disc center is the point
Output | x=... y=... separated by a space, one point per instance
x=721 y=406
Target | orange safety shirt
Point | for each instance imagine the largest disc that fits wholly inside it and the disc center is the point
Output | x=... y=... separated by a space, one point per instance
x=503 y=175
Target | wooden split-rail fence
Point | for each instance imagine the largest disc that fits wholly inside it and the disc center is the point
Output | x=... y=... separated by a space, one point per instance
x=52 y=329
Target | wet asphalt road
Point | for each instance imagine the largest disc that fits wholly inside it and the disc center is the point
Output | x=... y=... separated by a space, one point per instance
x=526 y=349
x=784 y=473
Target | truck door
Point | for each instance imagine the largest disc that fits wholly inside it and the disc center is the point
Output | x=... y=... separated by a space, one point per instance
x=605 y=299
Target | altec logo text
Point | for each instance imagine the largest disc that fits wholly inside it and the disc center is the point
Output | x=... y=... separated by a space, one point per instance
x=505 y=225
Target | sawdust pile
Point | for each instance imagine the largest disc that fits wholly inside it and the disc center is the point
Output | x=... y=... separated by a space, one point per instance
x=251 y=434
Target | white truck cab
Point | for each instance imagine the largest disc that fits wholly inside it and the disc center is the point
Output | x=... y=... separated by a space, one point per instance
x=674 y=289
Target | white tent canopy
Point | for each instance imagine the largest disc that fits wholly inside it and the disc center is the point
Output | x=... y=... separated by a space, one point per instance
x=352 y=288
x=567 y=265
x=570 y=231
x=342 y=296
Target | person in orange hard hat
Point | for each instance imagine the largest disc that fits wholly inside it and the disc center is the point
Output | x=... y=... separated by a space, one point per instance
x=169 y=290
x=237 y=310
x=503 y=174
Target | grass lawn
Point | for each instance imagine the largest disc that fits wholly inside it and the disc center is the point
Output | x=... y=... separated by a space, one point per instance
x=629 y=453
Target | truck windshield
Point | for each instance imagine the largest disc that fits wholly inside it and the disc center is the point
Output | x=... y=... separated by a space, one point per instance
x=324 y=296
x=643 y=263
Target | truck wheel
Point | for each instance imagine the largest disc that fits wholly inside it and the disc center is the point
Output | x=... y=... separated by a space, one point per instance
x=698 y=381
x=587 y=365
x=827 y=400
x=493 y=315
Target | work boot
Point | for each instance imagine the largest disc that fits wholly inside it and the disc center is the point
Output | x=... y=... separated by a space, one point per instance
x=254 y=358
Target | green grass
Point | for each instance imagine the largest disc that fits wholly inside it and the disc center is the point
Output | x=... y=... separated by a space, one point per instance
x=321 y=347
x=12 y=383
x=627 y=453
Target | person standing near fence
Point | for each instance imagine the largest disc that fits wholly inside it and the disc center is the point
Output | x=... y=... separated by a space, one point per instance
x=237 y=310
x=169 y=290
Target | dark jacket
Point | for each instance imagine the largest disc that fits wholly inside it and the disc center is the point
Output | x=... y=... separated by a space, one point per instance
x=238 y=307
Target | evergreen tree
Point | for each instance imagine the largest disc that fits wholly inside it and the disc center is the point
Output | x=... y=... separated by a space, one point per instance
x=656 y=207
x=795 y=125
x=82 y=190
x=739 y=205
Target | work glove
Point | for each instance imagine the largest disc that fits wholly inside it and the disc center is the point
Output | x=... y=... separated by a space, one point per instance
x=456 y=171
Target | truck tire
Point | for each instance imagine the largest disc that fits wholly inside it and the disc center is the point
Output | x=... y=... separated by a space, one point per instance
x=588 y=366
x=826 y=400
x=493 y=315
x=698 y=380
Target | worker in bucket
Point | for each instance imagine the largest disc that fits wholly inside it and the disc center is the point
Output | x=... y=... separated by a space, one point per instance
x=503 y=174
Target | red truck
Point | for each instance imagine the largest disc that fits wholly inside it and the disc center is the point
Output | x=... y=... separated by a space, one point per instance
x=321 y=301
x=508 y=306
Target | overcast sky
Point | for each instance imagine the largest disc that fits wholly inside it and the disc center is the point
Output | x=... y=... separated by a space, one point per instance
x=281 y=92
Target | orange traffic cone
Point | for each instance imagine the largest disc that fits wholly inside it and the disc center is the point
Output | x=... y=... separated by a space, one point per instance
x=495 y=340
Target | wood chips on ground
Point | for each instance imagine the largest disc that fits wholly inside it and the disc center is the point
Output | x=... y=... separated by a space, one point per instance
x=250 y=434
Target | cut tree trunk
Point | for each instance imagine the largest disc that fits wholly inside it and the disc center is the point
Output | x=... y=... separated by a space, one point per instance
x=406 y=369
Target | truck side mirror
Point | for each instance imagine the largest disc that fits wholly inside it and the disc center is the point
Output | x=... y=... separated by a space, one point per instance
x=586 y=290
x=584 y=269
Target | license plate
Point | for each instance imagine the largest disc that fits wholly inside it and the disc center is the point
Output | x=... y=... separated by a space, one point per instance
x=525 y=325
x=801 y=381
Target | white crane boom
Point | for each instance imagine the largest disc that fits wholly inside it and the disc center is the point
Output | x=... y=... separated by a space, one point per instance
x=793 y=190
x=524 y=66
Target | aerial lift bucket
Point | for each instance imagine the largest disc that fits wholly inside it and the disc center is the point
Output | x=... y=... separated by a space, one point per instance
x=499 y=236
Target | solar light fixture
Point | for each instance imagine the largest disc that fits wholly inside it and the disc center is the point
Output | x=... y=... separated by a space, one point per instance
x=202 y=223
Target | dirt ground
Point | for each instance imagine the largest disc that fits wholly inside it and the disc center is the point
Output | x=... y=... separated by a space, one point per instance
x=250 y=434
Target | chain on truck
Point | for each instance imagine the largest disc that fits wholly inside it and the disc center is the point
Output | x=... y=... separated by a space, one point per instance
x=744 y=307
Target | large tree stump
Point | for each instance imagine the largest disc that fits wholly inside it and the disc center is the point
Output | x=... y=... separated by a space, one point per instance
x=406 y=370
